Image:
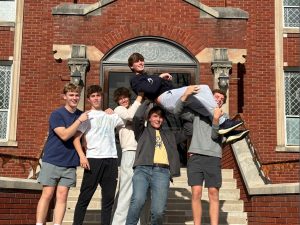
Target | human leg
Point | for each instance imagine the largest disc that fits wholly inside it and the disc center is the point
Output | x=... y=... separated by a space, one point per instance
x=52 y=176
x=213 y=181
x=159 y=187
x=61 y=203
x=43 y=204
x=140 y=185
x=108 y=183
x=125 y=189
x=89 y=185
x=213 y=195
x=196 y=204
x=195 y=180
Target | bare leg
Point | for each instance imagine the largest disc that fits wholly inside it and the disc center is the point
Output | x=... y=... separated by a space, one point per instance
x=61 y=203
x=213 y=194
x=196 y=204
x=43 y=205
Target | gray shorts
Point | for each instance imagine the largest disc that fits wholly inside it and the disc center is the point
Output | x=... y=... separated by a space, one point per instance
x=202 y=168
x=51 y=175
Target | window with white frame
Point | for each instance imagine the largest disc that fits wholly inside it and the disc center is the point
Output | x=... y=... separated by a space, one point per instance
x=7 y=10
x=5 y=87
x=291 y=12
x=292 y=107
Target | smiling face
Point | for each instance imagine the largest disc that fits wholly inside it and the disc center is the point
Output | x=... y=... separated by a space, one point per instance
x=155 y=120
x=95 y=100
x=138 y=66
x=72 y=100
x=124 y=101
x=220 y=98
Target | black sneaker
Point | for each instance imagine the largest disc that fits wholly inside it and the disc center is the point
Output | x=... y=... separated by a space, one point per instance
x=229 y=125
x=236 y=135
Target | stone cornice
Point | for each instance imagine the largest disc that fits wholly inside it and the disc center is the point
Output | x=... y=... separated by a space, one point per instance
x=219 y=12
x=79 y=9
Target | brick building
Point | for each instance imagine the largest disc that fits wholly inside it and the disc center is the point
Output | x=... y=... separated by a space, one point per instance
x=251 y=47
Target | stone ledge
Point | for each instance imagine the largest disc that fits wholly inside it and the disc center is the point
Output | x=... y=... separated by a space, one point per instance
x=79 y=9
x=19 y=183
x=219 y=12
x=271 y=189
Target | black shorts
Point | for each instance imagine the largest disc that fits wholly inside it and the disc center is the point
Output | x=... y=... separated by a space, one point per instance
x=202 y=168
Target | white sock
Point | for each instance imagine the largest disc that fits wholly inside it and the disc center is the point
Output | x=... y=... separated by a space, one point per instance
x=39 y=224
x=56 y=224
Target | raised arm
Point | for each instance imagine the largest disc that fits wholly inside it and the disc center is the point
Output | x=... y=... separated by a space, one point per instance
x=127 y=114
x=138 y=122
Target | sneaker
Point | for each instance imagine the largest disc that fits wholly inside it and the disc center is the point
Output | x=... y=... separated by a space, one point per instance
x=237 y=135
x=229 y=125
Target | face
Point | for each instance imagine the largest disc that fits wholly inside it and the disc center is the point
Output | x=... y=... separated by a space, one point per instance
x=156 y=120
x=138 y=66
x=95 y=100
x=72 y=99
x=219 y=99
x=124 y=101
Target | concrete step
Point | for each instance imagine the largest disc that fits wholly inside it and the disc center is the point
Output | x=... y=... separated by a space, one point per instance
x=226 y=184
x=171 y=217
x=174 y=194
x=226 y=173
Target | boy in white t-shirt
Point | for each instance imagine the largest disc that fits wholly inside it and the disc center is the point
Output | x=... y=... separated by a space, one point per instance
x=100 y=162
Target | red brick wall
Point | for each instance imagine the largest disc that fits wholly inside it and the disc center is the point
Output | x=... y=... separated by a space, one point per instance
x=7 y=42
x=291 y=49
x=18 y=206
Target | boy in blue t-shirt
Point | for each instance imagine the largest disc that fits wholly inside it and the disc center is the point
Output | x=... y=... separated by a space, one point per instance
x=60 y=158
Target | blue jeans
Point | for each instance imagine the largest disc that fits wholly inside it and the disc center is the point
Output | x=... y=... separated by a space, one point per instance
x=156 y=179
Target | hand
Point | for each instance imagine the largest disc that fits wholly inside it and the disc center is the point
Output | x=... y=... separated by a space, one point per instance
x=84 y=163
x=190 y=90
x=166 y=76
x=109 y=111
x=218 y=112
x=84 y=116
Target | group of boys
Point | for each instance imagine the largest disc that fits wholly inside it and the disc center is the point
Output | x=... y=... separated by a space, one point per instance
x=149 y=152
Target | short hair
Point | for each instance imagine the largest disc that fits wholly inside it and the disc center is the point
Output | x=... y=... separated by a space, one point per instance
x=70 y=87
x=135 y=57
x=121 y=91
x=93 y=89
x=220 y=92
x=158 y=110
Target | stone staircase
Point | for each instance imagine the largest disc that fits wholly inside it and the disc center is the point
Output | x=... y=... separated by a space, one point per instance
x=179 y=203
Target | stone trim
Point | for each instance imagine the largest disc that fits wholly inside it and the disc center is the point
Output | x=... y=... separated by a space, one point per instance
x=19 y=183
x=79 y=9
x=253 y=181
x=219 y=12
x=7 y=24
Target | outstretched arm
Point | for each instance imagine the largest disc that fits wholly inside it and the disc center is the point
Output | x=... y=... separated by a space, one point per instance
x=66 y=133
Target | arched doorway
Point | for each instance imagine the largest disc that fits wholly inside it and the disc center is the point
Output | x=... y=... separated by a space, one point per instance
x=161 y=55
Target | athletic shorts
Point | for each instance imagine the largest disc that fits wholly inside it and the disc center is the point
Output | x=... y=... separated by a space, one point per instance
x=51 y=175
x=203 y=168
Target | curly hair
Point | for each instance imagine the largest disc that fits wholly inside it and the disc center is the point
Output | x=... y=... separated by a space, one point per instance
x=121 y=91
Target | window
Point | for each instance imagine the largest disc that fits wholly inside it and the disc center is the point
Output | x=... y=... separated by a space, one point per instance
x=292 y=107
x=5 y=89
x=291 y=11
x=7 y=10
